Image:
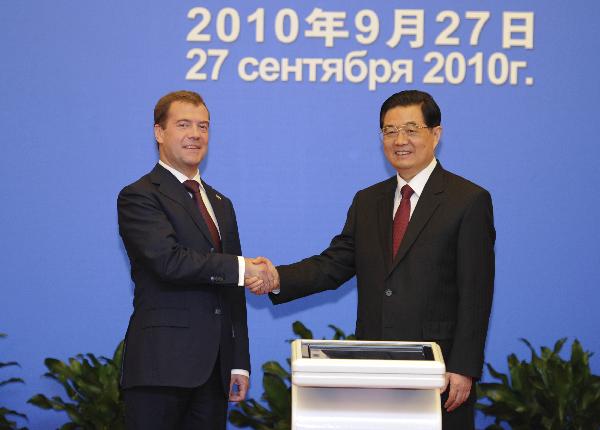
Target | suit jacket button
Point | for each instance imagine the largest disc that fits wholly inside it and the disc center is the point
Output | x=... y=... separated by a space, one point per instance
x=388 y=292
x=217 y=311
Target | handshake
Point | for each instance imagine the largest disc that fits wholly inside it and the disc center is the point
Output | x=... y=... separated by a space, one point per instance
x=261 y=276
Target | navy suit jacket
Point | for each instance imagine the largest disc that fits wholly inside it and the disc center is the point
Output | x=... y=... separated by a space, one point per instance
x=187 y=307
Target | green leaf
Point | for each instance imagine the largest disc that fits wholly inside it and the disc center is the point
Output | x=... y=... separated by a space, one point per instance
x=12 y=381
x=300 y=330
x=496 y=374
x=4 y=411
x=9 y=363
x=238 y=419
x=58 y=404
x=274 y=368
x=338 y=334
x=118 y=354
x=59 y=370
x=95 y=362
x=277 y=394
x=559 y=344
x=40 y=401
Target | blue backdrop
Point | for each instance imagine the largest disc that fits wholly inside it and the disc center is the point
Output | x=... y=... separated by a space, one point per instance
x=79 y=80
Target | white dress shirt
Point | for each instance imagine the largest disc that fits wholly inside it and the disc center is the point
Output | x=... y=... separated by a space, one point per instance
x=417 y=184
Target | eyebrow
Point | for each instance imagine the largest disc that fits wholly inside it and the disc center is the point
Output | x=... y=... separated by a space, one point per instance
x=401 y=125
x=189 y=120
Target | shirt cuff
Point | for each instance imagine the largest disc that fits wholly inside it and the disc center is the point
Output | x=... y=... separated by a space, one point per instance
x=276 y=291
x=241 y=271
x=240 y=372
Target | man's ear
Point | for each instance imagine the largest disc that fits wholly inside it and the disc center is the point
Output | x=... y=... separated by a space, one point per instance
x=158 y=133
x=437 y=134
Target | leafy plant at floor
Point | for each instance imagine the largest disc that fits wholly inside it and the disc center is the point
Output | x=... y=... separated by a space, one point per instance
x=546 y=393
x=277 y=414
x=6 y=414
x=92 y=385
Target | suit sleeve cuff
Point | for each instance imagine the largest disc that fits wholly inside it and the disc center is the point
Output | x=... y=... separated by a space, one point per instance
x=240 y=372
x=241 y=271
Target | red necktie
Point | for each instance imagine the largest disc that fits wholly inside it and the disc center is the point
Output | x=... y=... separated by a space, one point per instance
x=194 y=188
x=401 y=218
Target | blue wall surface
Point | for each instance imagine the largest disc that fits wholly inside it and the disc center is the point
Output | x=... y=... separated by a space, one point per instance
x=78 y=83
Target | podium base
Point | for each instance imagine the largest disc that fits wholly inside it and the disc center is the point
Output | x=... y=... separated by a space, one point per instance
x=317 y=408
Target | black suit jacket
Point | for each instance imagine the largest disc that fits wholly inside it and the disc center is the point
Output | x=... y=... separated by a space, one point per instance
x=187 y=306
x=438 y=287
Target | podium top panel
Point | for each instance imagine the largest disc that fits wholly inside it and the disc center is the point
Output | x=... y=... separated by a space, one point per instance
x=367 y=352
x=367 y=357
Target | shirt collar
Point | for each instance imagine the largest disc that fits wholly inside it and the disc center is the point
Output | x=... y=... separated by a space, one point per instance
x=418 y=182
x=180 y=176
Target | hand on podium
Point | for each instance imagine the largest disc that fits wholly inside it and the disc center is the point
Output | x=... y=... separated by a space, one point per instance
x=460 y=388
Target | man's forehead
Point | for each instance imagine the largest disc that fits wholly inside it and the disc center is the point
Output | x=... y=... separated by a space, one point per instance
x=406 y=114
x=179 y=109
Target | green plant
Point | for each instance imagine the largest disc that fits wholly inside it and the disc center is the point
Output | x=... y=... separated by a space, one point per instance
x=277 y=414
x=7 y=423
x=546 y=393
x=92 y=385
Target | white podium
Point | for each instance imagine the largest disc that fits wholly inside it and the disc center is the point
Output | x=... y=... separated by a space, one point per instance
x=366 y=385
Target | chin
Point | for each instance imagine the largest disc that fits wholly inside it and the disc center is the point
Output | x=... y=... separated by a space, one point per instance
x=403 y=167
x=195 y=160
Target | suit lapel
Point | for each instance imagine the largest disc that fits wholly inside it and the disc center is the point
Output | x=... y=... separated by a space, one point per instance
x=385 y=206
x=169 y=186
x=428 y=202
x=216 y=201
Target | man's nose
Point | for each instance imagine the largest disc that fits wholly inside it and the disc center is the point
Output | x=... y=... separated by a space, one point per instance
x=196 y=132
x=401 y=138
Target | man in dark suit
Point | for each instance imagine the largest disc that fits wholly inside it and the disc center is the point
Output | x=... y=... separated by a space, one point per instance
x=186 y=347
x=421 y=245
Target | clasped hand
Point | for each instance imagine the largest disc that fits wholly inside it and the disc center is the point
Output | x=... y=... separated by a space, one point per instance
x=261 y=276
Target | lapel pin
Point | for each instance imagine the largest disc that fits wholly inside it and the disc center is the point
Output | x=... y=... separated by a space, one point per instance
x=218 y=196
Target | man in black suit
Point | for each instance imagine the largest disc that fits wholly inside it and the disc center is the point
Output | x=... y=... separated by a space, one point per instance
x=421 y=245
x=186 y=349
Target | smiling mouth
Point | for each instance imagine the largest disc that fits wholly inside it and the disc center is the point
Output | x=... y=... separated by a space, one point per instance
x=401 y=153
x=192 y=147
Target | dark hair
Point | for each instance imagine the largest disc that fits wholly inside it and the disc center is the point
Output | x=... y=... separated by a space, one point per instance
x=161 y=110
x=429 y=108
